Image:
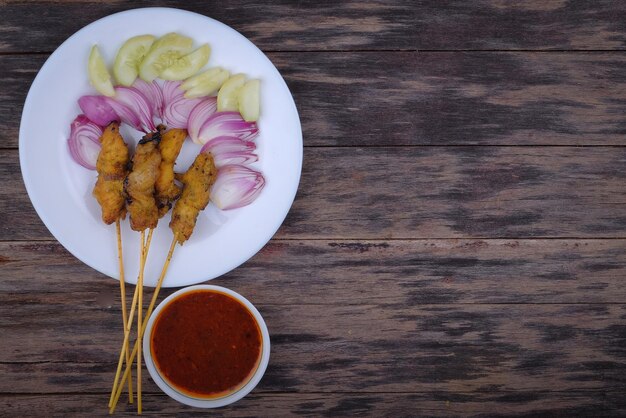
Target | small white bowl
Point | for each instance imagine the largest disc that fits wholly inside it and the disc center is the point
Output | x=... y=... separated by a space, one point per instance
x=208 y=403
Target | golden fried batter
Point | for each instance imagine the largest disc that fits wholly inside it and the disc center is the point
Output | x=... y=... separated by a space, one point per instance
x=166 y=190
x=140 y=183
x=197 y=183
x=112 y=167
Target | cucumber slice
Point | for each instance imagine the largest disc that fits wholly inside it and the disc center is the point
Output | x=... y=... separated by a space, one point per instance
x=227 y=96
x=98 y=74
x=208 y=86
x=200 y=78
x=130 y=55
x=249 y=100
x=188 y=65
x=164 y=52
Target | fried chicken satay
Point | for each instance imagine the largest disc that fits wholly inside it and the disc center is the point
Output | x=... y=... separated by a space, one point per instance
x=112 y=167
x=197 y=183
x=166 y=190
x=141 y=180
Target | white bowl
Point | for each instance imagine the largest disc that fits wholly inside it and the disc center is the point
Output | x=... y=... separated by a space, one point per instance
x=208 y=403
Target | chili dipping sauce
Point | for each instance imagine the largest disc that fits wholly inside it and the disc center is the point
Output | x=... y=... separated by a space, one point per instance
x=206 y=344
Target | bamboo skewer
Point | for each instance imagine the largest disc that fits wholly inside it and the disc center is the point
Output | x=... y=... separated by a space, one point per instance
x=144 y=249
x=136 y=347
x=139 y=323
x=120 y=258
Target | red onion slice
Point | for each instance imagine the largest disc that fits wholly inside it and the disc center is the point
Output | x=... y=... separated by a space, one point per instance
x=227 y=124
x=228 y=150
x=126 y=115
x=171 y=91
x=176 y=108
x=84 y=142
x=152 y=91
x=97 y=110
x=199 y=115
x=138 y=104
x=236 y=186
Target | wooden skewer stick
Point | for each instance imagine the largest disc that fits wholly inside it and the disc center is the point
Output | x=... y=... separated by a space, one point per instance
x=136 y=347
x=140 y=323
x=144 y=249
x=131 y=316
x=120 y=258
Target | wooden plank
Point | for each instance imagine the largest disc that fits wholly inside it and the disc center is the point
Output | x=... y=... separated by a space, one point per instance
x=442 y=404
x=405 y=98
x=428 y=192
x=70 y=345
x=425 y=271
x=459 y=192
x=323 y=25
x=18 y=72
x=365 y=99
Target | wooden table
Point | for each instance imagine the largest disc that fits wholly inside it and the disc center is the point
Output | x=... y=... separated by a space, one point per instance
x=458 y=242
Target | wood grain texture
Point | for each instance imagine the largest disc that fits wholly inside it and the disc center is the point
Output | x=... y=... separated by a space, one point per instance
x=507 y=350
x=353 y=333
x=417 y=272
x=373 y=25
x=422 y=98
x=429 y=192
x=443 y=404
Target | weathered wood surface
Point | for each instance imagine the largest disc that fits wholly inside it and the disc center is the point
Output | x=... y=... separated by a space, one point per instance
x=360 y=272
x=349 y=25
x=379 y=347
x=474 y=331
x=458 y=243
x=548 y=403
x=426 y=192
x=425 y=98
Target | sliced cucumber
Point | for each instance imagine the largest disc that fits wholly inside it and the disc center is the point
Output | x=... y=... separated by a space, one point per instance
x=98 y=74
x=164 y=52
x=208 y=86
x=129 y=57
x=227 y=96
x=188 y=65
x=200 y=78
x=250 y=100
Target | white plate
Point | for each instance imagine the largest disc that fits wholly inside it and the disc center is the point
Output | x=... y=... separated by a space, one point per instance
x=60 y=189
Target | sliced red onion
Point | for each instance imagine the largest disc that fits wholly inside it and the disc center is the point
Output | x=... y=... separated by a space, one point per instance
x=227 y=150
x=227 y=124
x=97 y=110
x=236 y=186
x=199 y=115
x=126 y=115
x=176 y=108
x=171 y=91
x=135 y=100
x=152 y=91
x=84 y=142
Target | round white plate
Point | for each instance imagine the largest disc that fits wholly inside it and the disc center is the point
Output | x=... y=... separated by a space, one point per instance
x=60 y=189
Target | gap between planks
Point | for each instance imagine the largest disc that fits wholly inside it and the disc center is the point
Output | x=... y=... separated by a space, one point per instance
x=357 y=239
x=374 y=51
x=260 y=392
x=389 y=146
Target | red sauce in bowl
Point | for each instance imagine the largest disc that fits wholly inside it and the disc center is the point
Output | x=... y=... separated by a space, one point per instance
x=206 y=344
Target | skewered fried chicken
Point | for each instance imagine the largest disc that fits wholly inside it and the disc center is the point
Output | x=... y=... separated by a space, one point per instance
x=166 y=190
x=112 y=167
x=141 y=180
x=197 y=183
